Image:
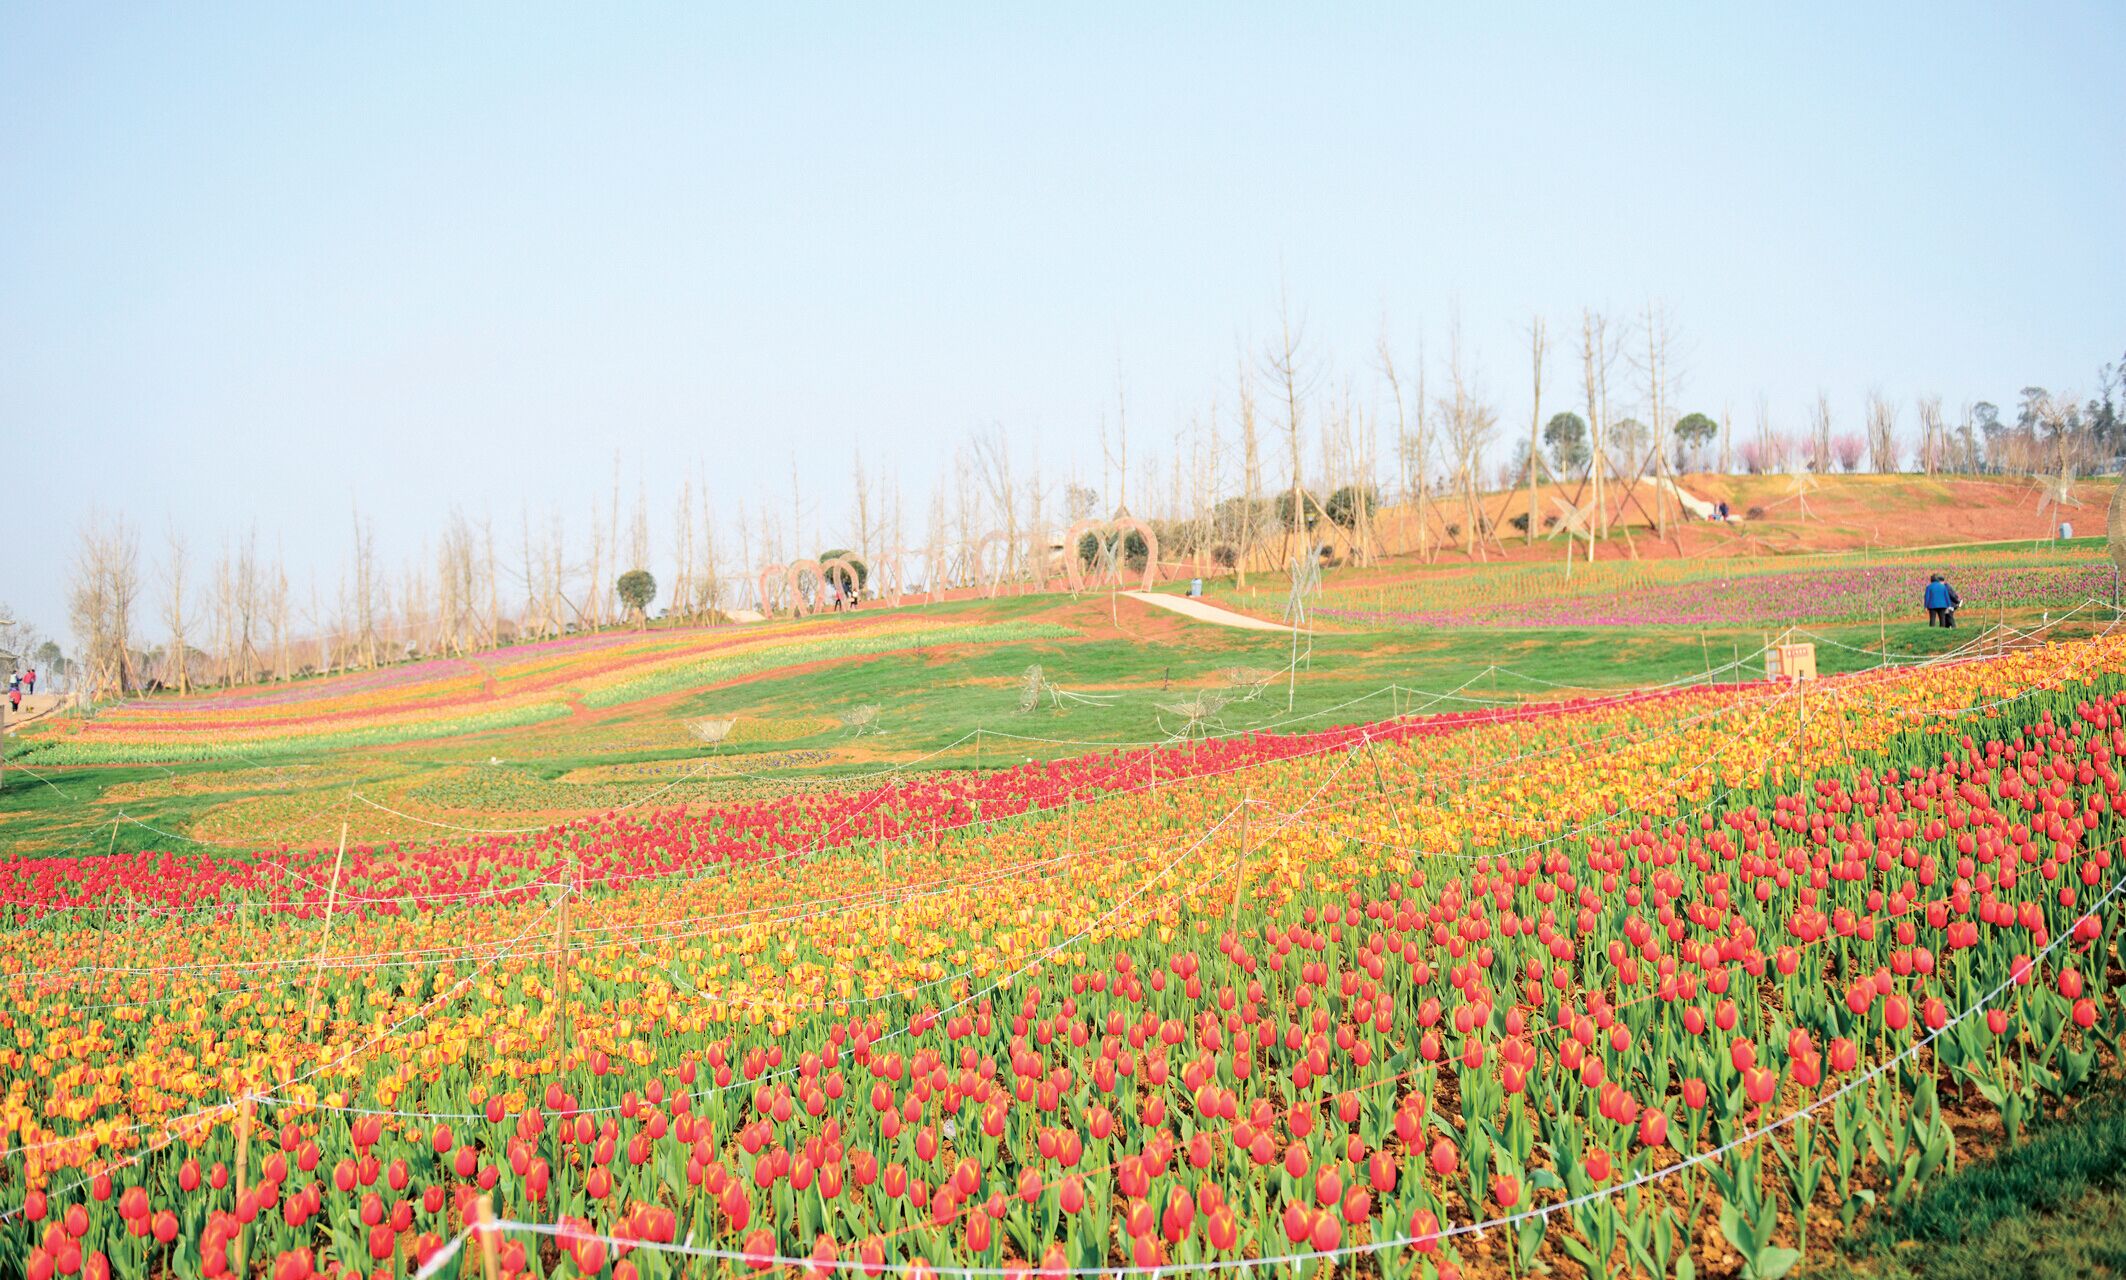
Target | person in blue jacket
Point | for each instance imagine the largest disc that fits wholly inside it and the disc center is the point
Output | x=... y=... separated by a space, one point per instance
x=1941 y=601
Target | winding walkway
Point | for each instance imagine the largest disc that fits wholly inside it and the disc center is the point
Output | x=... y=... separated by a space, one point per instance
x=1204 y=611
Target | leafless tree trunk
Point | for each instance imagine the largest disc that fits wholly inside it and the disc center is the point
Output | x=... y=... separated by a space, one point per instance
x=1882 y=434
x=860 y=485
x=277 y=599
x=365 y=591
x=638 y=541
x=1286 y=366
x=1933 y=436
x=1658 y=376
x=178 y=668
x=680 y=599
x=224 y=619
x=1820 y=434
x=711 y=576
x=747 y=565
x=797 y=514
x=1251 y=477
x=992 y=463
x=1594 y=363
x=531 y=590
x=1469 y=423
x=494 y=603
x=1768 y=461
x=1537 y=341
x=101 y=598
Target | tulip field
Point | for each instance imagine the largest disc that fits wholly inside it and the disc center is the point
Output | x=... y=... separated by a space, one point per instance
x=1681 y=980
x=1751 y=591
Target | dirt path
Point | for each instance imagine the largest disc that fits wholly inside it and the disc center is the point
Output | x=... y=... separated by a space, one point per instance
x=35 y=707
x=1697 y=506
x=1205 y=611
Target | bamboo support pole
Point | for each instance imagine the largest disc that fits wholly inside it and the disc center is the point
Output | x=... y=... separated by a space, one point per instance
x=561 y=970
x=332 y=897
x=484 y=1226
x=243 y=1166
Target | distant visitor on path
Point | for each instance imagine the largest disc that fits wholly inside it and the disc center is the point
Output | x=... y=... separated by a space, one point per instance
x=1723 y=511
x=29 y=680
x=1941 y=601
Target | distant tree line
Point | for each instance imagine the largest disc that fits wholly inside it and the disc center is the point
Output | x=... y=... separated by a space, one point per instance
x=1294 y=460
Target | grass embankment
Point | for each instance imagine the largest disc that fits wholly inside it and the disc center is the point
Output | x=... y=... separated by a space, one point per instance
x=2051 y=1208
x=931 y=698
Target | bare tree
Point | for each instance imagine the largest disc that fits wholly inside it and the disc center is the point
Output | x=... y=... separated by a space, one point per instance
x=1251 y=475
x=101 y=598
x=638 y=540
x=1595 y=356
x=679 y=600
x=1820 y=434
x=224 y=618
x=1933 y=435
x=178 y=666
x=860 y=495
x=1882 y=433
x=1468 y=423
x=1287 y=368
x=247 y=603
x=277 y=604
x=365 y=591
x=493 y=586
x=1770 y=457
x=1659 y=394
x=1537 y=340
x=709 y=582
x=992 y=464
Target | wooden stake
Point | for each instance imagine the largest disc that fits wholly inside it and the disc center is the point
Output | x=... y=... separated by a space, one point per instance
x=561 y=970
x=484 y=1227
x=1240 y=862
x=243 y=1164
x=332 y=897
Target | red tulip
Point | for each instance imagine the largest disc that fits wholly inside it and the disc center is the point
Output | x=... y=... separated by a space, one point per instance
x=1445 y=1156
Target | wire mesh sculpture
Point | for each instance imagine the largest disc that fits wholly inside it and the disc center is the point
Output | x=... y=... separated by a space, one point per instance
x=2057 y=494
x=1306 y=582
x=1245 y=684
x=712 y=732
x=861 y=719
x=1798 y=487
x=1035 y=685
x=1574 y=523
x=1198 y=714
x=2115 y=537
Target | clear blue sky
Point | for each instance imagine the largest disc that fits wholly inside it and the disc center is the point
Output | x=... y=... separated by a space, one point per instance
x=261 y=262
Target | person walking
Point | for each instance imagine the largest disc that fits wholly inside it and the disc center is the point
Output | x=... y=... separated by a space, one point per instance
x=1941 y=601
x=14 y=693
x=29 y=679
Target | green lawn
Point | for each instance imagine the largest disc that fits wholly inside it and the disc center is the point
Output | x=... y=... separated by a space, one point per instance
x=930 y=701
x=2052 y=1208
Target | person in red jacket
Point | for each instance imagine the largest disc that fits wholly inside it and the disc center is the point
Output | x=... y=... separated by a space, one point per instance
x=29 y=679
